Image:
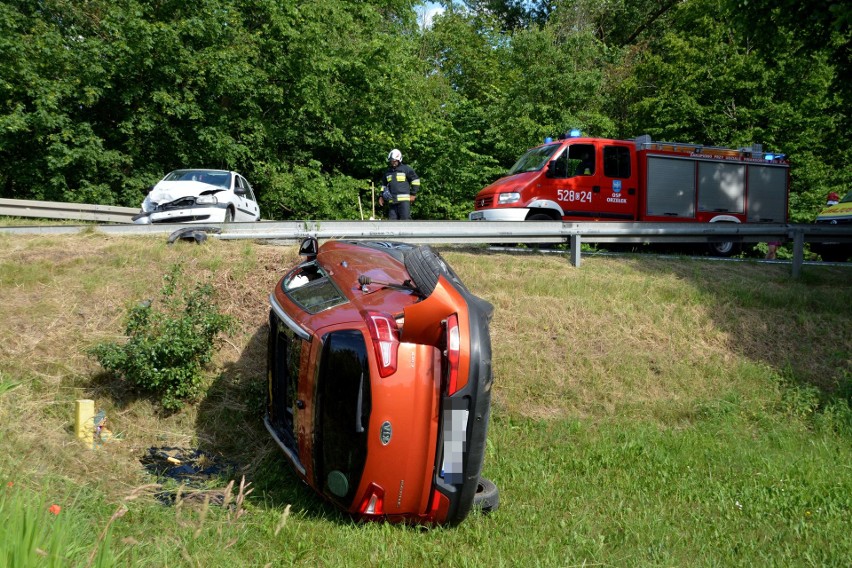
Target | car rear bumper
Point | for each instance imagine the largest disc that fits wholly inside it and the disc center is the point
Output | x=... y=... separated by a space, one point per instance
x=464 y=419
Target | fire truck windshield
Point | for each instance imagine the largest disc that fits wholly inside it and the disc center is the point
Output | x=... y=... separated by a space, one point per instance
x=534 y=159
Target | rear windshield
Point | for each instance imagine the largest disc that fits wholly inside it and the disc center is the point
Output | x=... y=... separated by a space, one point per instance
x=311 y=288
x=343 y=414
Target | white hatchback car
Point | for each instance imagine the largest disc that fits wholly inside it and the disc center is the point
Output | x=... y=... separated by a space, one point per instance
x=199 y=196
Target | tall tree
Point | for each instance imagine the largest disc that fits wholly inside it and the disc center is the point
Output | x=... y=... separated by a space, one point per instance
x=719 y=88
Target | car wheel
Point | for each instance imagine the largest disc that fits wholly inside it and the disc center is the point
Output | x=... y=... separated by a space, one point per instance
x=425 y=266
x=487 y=496
x=229 y=215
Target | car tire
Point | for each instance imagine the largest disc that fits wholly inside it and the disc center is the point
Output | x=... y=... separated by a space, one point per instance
x=229 y=215
x=487 y=498
x=425 y=266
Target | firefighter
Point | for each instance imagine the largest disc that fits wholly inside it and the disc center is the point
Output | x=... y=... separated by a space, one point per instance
x=586 y=167
x=399 y=187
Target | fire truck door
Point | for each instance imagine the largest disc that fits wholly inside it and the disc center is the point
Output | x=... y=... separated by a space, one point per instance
x=618 y=184
x=573 y=181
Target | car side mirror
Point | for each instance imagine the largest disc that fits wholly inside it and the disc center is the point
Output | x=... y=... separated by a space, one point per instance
x=551 y=169
x=240 y=191
x=308 y=248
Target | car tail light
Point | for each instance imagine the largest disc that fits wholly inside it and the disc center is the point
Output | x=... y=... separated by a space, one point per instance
x=439 y=506
x=384 y=333
x=373 y=502
x=453 y=353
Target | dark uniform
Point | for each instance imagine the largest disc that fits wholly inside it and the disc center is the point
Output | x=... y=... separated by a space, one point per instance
x=399 y=186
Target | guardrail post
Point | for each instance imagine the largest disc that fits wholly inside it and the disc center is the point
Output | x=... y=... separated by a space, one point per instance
x=575 y=250
x=798 y=252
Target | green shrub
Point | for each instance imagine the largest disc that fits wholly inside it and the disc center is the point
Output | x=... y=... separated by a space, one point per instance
x=166 y=350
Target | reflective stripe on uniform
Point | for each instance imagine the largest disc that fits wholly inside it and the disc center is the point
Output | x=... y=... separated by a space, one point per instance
x=416 y=182
x=402 y=197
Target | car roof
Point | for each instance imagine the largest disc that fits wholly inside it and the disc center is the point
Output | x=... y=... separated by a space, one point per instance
x=202 y=170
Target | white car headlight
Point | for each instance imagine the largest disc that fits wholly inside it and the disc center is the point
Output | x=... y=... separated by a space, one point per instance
x=206 y=200
x=504 y=198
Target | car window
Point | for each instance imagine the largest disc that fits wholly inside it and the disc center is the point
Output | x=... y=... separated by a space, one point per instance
x=311 y=288
x=247 y=186
x=342 y=409
x=285 y=351
x=584 y=157
x=616 y=162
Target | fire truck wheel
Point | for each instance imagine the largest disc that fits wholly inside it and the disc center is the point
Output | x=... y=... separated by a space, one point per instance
x=723 y=249
x=539 y=217
x=487 y=496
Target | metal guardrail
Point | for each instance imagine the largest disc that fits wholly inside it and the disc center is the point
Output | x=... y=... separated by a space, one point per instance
x=456 y=232
x=460 y=232
x=72 y=211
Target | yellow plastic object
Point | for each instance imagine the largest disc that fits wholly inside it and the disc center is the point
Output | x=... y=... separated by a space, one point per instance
x=84 y=422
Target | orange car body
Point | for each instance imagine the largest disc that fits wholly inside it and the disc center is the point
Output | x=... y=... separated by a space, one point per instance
x=379 y=381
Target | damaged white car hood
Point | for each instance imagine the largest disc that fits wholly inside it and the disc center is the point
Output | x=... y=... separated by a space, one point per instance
x=168 y=191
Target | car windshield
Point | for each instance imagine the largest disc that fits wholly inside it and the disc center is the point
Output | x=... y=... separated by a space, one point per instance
x=534 y=159
x=847 y=198
x=212 y=177
x=343 y=414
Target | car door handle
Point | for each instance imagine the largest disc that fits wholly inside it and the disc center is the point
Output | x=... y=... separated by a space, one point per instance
x=596 y=188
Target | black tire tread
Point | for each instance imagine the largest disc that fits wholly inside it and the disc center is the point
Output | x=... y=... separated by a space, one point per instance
x=424 y=265
x=487 y=497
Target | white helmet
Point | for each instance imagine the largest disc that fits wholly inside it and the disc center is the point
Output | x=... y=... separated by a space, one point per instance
x=395 y=155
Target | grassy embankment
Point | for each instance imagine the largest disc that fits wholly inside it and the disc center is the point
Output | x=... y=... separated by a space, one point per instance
x=646 y=412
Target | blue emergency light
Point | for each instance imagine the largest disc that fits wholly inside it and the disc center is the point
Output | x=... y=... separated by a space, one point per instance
x=769 y=157
x=575 y=133
x=548 y=140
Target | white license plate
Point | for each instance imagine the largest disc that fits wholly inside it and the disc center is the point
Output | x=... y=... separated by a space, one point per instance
x=455 y=438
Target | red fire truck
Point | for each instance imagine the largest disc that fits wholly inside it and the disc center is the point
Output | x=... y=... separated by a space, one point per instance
x=577 y=178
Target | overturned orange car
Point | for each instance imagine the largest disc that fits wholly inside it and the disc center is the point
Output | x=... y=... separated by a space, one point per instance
x=379 y=381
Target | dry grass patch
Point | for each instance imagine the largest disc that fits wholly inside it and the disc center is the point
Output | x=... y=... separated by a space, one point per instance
x=66 y=294
x=622 y=336
x=638 y=338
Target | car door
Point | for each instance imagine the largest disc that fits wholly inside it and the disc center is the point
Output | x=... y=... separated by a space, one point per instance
x=248 y=210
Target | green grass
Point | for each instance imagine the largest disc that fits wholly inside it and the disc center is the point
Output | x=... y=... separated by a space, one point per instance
x=646 y=412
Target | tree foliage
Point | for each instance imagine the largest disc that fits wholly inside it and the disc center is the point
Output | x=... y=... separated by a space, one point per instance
x=99 y=99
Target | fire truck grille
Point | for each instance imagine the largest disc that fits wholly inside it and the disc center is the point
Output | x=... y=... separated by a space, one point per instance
x=484 y=202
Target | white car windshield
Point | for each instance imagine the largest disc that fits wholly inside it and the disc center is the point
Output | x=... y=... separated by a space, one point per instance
x=212 y=177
